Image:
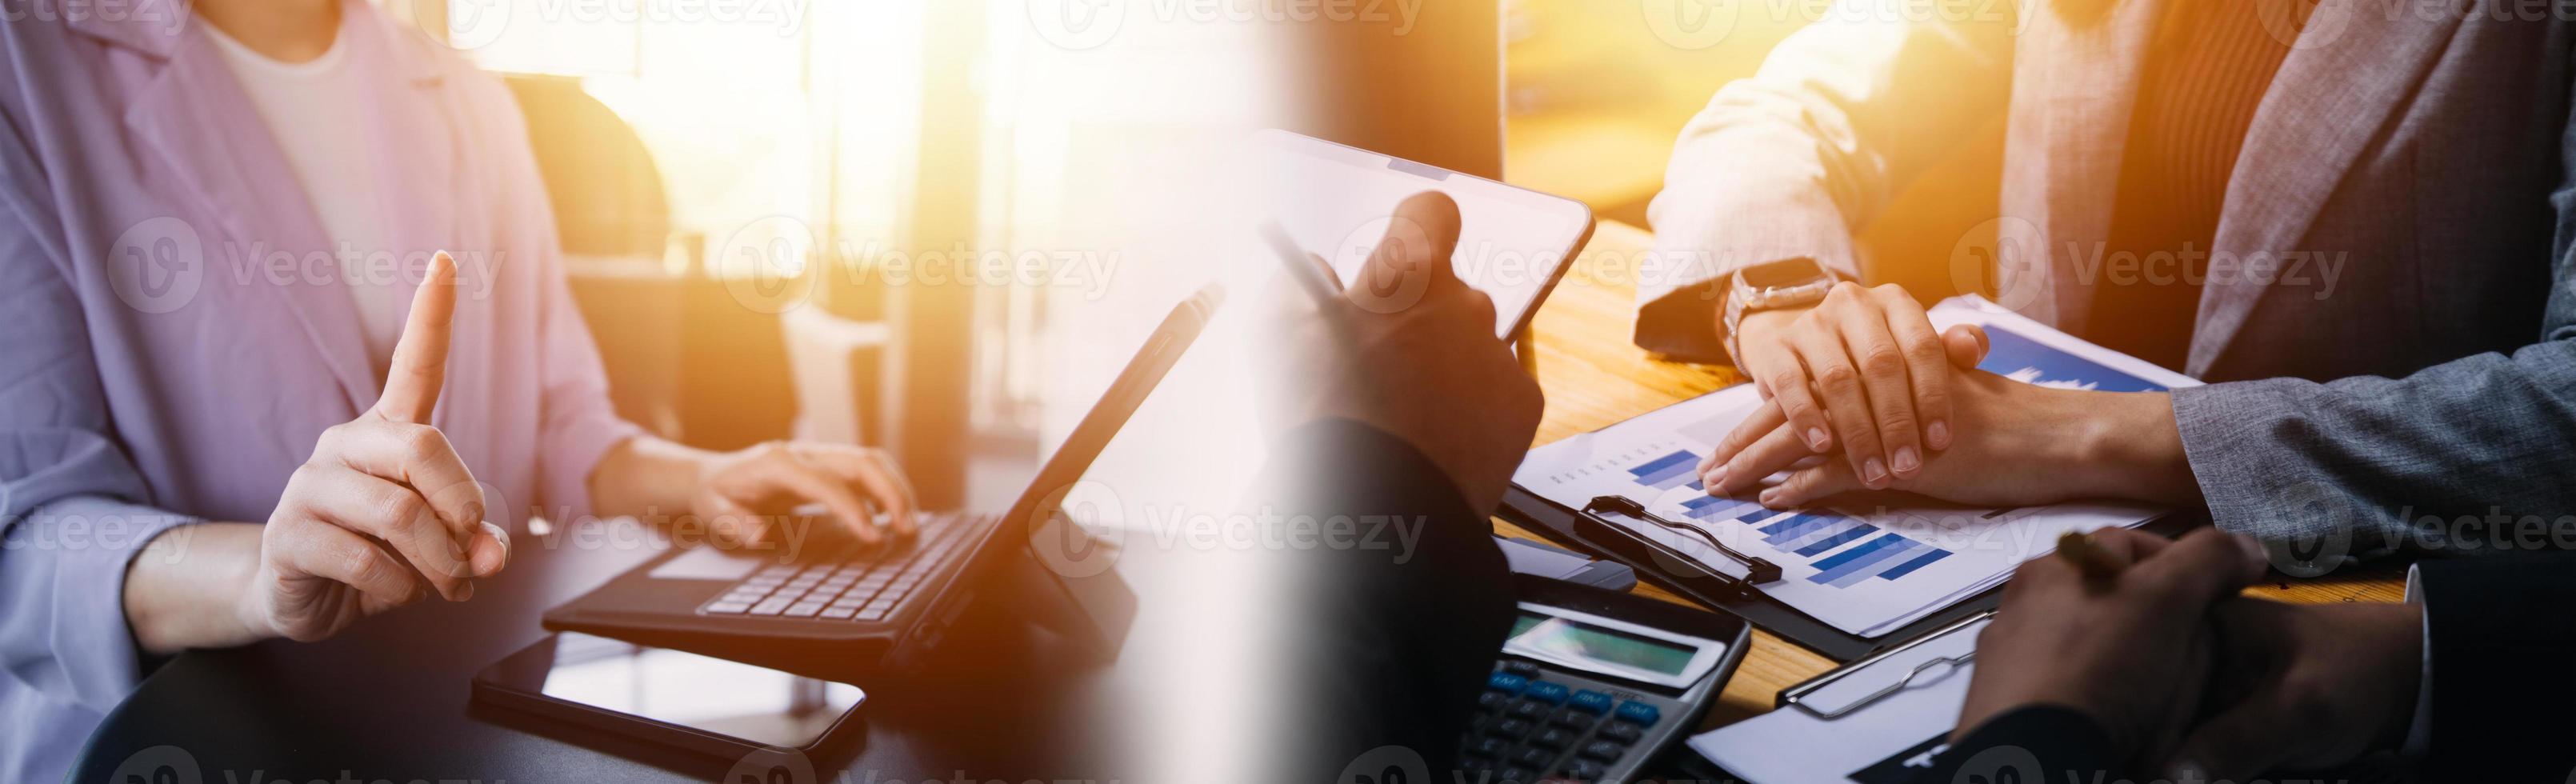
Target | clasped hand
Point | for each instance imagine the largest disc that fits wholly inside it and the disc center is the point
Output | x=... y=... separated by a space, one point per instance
x=1844 y=390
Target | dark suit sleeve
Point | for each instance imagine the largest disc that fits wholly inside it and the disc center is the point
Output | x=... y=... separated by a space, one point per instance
x=2501 y=634
x=2030 y=744
x=1397 y=641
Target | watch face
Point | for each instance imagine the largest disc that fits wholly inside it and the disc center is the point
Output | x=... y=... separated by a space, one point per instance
x=1783 y=273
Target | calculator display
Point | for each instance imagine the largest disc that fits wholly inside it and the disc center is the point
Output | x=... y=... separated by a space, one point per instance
x=1587 y=642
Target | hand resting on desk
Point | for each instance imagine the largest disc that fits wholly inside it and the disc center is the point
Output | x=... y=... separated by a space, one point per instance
x=2018 y=444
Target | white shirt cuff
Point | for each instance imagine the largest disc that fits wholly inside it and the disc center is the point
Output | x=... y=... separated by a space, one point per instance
x=2419 y=732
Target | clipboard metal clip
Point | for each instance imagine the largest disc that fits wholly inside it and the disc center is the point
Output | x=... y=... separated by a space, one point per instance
x=1941 y=667
x=1756 y=570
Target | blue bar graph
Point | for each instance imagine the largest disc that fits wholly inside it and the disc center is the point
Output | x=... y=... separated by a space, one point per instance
x=1667 y=472
x=1908 y=567
x=1840 y=525
x=1723 y=509
x=1835 y=539
x=1879 y=562
x=1855 y=563
x=1795 y=526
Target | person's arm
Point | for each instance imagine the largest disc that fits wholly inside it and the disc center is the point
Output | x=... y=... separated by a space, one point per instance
x=2077 y=677
x=578 y=426
x=1788 y=164
x=2039 y=742
x=593 y=462
x=1400 y=642
x=74 y=513
x=2362 y=464
x=2499 y=639
x=1413 y=414
x=1843 y=114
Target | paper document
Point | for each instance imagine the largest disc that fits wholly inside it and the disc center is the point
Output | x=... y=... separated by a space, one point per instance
x=1868 y=563
x=1883 y=741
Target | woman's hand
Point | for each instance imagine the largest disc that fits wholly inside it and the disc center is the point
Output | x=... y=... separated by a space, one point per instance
x=1771 y=440
x=385 y=512
x=1862 y=369
x=743 y=496
x=2023 y=445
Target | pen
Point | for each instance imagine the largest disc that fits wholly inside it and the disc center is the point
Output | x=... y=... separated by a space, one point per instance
x=1316 y=279
x=2089 y=558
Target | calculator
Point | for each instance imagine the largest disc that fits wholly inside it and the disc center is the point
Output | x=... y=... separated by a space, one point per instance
x=1592 y=684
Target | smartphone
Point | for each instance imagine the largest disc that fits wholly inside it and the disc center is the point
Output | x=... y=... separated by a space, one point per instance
x=668 y=697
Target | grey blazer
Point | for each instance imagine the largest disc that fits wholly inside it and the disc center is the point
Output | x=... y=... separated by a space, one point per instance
x=2393 y=344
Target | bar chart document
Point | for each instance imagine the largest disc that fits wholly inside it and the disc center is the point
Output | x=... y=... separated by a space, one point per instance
x=1867 y=563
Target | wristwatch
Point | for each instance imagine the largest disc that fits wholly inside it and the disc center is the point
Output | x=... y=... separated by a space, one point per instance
x=1777 y=285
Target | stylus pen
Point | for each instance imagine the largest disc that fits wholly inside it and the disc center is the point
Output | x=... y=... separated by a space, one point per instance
x=2097 y=565
x=1316 y=278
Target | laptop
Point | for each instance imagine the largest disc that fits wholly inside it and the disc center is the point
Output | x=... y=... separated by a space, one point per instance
x=852 y=608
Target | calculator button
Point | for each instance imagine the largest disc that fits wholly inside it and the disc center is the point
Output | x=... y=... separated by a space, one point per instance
x=1640 y=713
x=1548 y=692
x=1492 y=700
x=805 y=609
x=1590 y=701
x=1526 y=709
x=1506 y=683
x=771 y=607
x=728 y=608
x=1574 y=718
x=1603 y=750
x=1513 y=729
x=1531 y=758
x=1521 y=668
x=1622 y=732
x=1516 y=776
x=1553 y=738
x=1487 y=747
x=1585 y=770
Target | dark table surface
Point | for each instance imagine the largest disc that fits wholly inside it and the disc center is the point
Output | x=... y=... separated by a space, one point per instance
x=389 y=700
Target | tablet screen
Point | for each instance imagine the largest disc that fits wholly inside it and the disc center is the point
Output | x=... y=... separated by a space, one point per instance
x=1512 y=242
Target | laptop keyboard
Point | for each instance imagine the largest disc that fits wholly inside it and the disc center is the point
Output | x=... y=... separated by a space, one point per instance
x=864 y=585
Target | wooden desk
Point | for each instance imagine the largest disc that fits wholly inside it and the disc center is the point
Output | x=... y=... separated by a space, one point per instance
x=1594 y=376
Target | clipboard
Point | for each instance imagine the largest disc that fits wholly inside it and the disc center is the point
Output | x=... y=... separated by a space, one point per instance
x=1685 y=575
